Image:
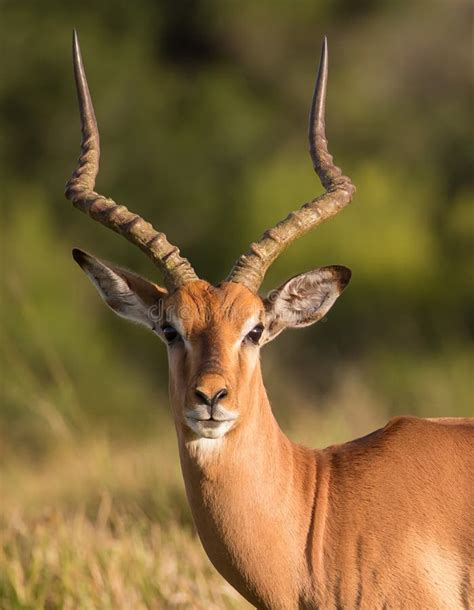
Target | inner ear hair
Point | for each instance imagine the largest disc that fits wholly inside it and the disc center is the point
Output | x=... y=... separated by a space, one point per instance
x=128 y=294
x=305 y=298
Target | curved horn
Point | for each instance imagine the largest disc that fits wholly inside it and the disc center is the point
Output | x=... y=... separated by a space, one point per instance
x=80 y=190
x=251 y=267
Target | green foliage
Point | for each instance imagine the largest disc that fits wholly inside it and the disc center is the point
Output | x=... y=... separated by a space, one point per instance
x=202 y=108
x=62 y=374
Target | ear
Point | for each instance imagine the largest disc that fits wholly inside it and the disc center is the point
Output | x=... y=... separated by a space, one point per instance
x=129 y=295
x=304 y=299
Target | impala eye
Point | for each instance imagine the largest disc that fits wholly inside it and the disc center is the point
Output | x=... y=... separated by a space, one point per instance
x=170 y=333
x=255 y=334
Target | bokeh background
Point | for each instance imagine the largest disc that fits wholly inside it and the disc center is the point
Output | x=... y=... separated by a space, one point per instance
x=202 y=107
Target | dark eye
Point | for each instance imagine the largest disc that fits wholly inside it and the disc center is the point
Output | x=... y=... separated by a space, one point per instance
x=169 y=332
x=255 y=334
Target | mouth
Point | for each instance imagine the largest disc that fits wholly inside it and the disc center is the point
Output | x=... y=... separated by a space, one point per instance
x=210 y=427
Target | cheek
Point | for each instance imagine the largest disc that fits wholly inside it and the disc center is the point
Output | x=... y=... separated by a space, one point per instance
x=248 y=358
x=178 y=368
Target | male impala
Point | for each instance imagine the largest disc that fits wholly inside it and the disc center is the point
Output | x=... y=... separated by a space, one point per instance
x=385 y=521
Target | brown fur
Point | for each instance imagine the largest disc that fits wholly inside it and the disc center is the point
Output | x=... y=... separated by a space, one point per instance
x=385 y=521
x=382 y=521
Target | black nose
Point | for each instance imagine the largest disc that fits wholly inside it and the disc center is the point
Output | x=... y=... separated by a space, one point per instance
x=211 y=401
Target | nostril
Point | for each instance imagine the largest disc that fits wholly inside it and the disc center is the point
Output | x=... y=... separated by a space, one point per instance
x=219 y=395
x=204 y=397
x=208 y=400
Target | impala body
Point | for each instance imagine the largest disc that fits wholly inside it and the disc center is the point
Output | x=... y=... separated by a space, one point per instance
x=385 y=521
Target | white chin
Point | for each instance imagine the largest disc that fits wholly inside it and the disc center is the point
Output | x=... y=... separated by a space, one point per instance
x=209 y=429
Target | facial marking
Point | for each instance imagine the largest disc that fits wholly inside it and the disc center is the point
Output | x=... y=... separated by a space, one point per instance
x=249 y=324
x=209 y=429
x=212 y=322
x=176 y=323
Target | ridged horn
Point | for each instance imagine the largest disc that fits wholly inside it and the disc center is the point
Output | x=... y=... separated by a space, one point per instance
x=251 y=267
x=176 y=270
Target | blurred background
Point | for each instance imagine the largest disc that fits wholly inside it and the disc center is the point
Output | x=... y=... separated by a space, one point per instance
x=202 y=107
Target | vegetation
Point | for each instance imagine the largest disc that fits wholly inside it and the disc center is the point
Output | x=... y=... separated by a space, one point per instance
x=120 y=538
x=202 y=108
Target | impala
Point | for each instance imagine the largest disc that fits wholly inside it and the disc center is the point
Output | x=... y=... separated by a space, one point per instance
x=384 y=521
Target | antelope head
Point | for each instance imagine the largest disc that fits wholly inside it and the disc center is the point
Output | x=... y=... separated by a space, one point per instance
x=213 y=334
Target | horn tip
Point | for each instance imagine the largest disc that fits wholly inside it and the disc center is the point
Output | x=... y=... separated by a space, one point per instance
x=76 y=49
x=324 y=51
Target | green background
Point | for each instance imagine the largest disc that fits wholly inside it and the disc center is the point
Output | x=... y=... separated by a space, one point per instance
x=202 y=107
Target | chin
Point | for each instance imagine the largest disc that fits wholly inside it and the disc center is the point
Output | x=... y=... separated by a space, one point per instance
x=209 y=429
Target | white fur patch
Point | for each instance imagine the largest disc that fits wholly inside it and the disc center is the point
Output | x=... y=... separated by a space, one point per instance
x=441 y=570
x=204 y=449
x=211 y=430
x=247 y=327
x=176 y=323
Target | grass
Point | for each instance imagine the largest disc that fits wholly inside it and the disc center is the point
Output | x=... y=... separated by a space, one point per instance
x=103 y=527
x=116 y=560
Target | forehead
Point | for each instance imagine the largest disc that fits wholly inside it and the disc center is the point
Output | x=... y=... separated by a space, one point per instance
x=198 y=305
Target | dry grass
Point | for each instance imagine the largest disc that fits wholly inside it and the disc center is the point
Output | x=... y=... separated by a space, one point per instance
x=115 y=561
x=98 y=527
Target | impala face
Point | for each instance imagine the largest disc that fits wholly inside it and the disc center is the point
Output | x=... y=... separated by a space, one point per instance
x=214 y=334
x=213 y=337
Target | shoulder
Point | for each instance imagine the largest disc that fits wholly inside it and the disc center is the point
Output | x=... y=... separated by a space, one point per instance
x=429 y=427
x=407 y=433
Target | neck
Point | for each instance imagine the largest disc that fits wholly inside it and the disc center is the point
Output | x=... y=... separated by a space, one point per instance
x=244 y=490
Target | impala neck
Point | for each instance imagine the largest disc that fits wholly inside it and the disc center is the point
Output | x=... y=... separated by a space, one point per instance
x=244 y=491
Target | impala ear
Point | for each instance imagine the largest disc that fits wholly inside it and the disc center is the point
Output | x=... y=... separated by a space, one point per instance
x=129 y=295
x=304 y=299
